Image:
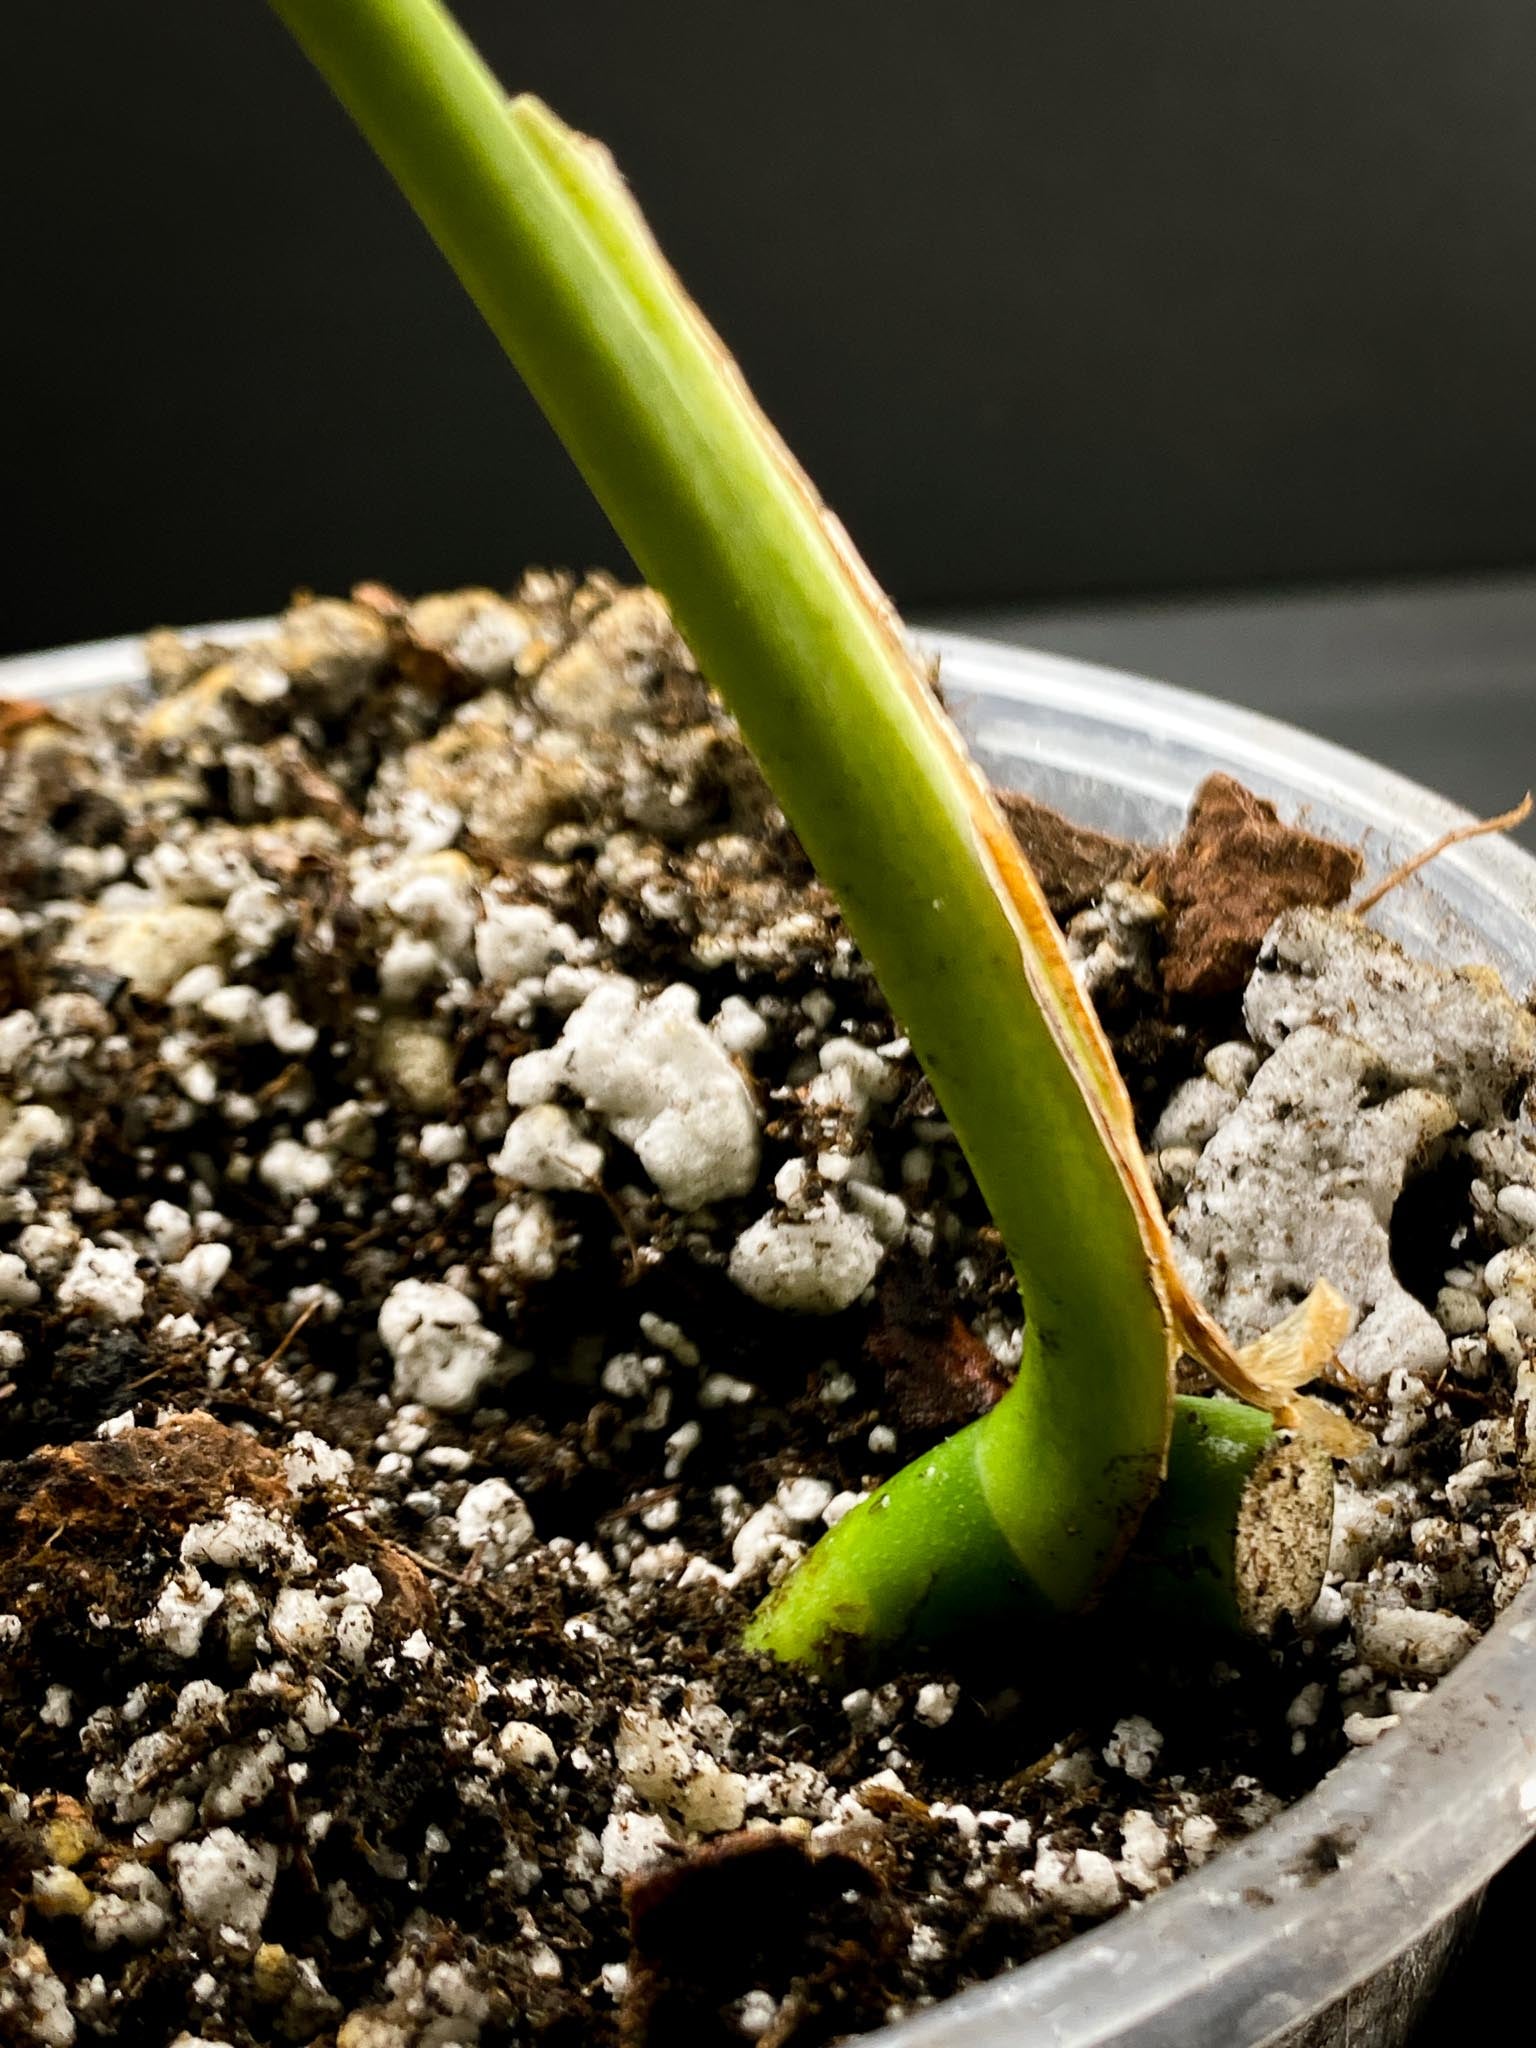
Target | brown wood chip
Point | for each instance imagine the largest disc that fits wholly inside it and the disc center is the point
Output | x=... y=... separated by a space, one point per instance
x=1229 y=875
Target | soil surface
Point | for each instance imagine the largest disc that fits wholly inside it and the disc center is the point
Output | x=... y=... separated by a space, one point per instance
x=468 y=1221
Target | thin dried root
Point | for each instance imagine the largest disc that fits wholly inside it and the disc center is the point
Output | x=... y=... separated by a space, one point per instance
x=1505 y=822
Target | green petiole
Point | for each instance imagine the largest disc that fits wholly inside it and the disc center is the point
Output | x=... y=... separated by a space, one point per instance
x=1039 y=1500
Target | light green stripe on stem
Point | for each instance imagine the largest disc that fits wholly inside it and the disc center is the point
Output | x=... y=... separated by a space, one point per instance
x=786 y=623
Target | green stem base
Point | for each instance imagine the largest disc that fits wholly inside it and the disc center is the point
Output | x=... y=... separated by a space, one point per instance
x=918 y=1561
x=1237 y=1538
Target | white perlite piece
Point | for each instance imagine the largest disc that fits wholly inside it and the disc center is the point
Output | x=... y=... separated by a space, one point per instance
x=1410 y=1642
x=1081 y=1881
x=185 y=1606
x=132 y=1910
x=526 y=1239
x=292 y=1170
x=661 y=1082
x=19 y=1032
x=1194 y=1112
x=762 y=1537
x=1299 y=1184
x=103 y=1282
x=492 y=1521
x=599 y=683
x=515 y=941
x=803 y=1500
x=479 y=631
x=632 y=1842
x=300 y=1623
x=1376 y=1058
x=936 y=1703
x=148 y=941
x=1364 y=1729
x=47 y=1247
x=414 y=1057
x=1134 y=1746
x=661 y=1766
x=739 y=1028
x=246 y=1535
x=33 y=1129
x=818 y=1266
x=225 y=1881
x=527 y=1747
x=200 y=1272
x=1454 y=1031
x=543 y=1149
x=17 y=1290
x=310 y=1462
x=170 y=1228
x=1143 y=1861
x=444 y=1356
x=29 y=1990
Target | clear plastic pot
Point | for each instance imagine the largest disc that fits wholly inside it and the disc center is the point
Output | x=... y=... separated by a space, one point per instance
x=1332 y=1925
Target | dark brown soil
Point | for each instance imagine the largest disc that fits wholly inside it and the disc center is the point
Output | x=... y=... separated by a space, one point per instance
x=336 y=1710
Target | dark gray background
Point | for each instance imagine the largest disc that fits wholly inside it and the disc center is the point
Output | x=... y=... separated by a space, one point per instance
x=1053 y=299
x=1104 y=326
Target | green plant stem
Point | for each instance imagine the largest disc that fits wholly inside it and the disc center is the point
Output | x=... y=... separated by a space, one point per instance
x=1237 y=1537
x=785 y=620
